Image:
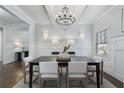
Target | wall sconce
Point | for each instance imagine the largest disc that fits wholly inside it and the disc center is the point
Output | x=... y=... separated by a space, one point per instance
x=18 y=44
x=82 y=34
x=45 y=35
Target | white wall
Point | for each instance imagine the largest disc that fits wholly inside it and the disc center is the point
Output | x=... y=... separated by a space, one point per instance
x=81 y=47
x=114 y=64
x=23 y=16
x=10 y=35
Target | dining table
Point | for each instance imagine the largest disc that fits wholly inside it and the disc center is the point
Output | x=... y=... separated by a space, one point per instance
x=64 y=62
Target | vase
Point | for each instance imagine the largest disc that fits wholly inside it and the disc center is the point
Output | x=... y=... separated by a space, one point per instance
x=64 y=55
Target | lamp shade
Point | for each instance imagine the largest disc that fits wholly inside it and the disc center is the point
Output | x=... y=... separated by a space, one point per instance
x=82 y=34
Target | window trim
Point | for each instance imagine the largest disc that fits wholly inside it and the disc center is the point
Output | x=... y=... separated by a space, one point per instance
x=106 y=27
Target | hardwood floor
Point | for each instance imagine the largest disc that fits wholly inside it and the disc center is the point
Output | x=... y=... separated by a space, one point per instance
x=113 y=80
x=10 y=74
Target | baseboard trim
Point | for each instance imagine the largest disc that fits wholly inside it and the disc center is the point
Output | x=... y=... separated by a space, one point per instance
x=113 y=80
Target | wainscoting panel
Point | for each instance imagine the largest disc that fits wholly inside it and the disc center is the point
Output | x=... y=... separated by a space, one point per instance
x=115 y=65
x=119 y=58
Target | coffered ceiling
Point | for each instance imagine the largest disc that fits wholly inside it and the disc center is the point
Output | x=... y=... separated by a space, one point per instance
x=46 y=14
x=7 y=17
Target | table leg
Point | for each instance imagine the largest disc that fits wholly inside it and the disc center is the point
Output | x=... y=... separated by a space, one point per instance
x=98 y=75
x=67 y=82
x=30 y=74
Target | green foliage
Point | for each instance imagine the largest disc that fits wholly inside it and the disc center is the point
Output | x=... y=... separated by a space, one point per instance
x=66 y=48
x=104 y=50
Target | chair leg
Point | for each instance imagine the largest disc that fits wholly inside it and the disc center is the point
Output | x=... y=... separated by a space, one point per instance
x=86 y=81
x=43 y=83
x=81 y=81
x=39 y=83
x=35 y=79
x=67 y=83
x=61 y=71
x=101 y=77
x=24 y=78
x=39 y=80
x=58 y=83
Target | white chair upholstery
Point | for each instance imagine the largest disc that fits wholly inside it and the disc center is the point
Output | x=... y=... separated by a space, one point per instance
x=77 y=70
x=26 y=61
x=92 y=69
x=48 y=70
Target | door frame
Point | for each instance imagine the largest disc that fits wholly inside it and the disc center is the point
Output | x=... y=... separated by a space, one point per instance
x=1 y=29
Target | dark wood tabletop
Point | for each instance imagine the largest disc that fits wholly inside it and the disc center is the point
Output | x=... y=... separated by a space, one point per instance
x=72 y=58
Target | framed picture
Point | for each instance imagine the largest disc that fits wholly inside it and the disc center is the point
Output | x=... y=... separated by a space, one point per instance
x=122 y=20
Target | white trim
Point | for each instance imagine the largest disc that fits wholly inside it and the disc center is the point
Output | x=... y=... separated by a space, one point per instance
x=1 y=58
x=19 y=13
x=114 y=61
x=103 y=14
x=108 y=56
x=23 y=16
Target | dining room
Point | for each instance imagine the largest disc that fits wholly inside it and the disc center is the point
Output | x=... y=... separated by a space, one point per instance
x=66 y=46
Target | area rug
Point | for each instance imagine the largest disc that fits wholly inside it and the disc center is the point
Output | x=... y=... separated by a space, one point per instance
x=72 y=84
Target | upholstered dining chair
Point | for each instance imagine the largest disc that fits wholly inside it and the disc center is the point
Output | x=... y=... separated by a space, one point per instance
x=26 y=61
x=71 y=53
x=55 y=53
x=48 y=71
x=77 y=70
x=92 y=69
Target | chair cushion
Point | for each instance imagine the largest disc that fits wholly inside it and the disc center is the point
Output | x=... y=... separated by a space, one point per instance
x=91 y=68
x=49 y=75
x=77 y=76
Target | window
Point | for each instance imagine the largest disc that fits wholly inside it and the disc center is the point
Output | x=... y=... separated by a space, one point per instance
x=102 y=43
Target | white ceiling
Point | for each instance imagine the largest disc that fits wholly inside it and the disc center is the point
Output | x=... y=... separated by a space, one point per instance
x=37 y=13
x=46 y=14
x=92 y=12
x=8 y=18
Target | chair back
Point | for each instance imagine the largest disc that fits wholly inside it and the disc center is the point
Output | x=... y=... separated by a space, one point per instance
x=27 y=60
x=71 y=53
x=55 y=53
x=78 y=67
x=48 y=67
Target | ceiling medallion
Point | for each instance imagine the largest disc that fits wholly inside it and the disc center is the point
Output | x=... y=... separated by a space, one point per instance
x=65 y=17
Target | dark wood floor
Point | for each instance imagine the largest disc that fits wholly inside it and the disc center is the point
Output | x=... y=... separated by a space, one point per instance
x=10 y=74
x=113 y=80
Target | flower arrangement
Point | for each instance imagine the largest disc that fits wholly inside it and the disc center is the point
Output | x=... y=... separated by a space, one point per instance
x=66 y=47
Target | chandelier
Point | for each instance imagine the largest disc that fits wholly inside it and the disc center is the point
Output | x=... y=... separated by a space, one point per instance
x=65 y=17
